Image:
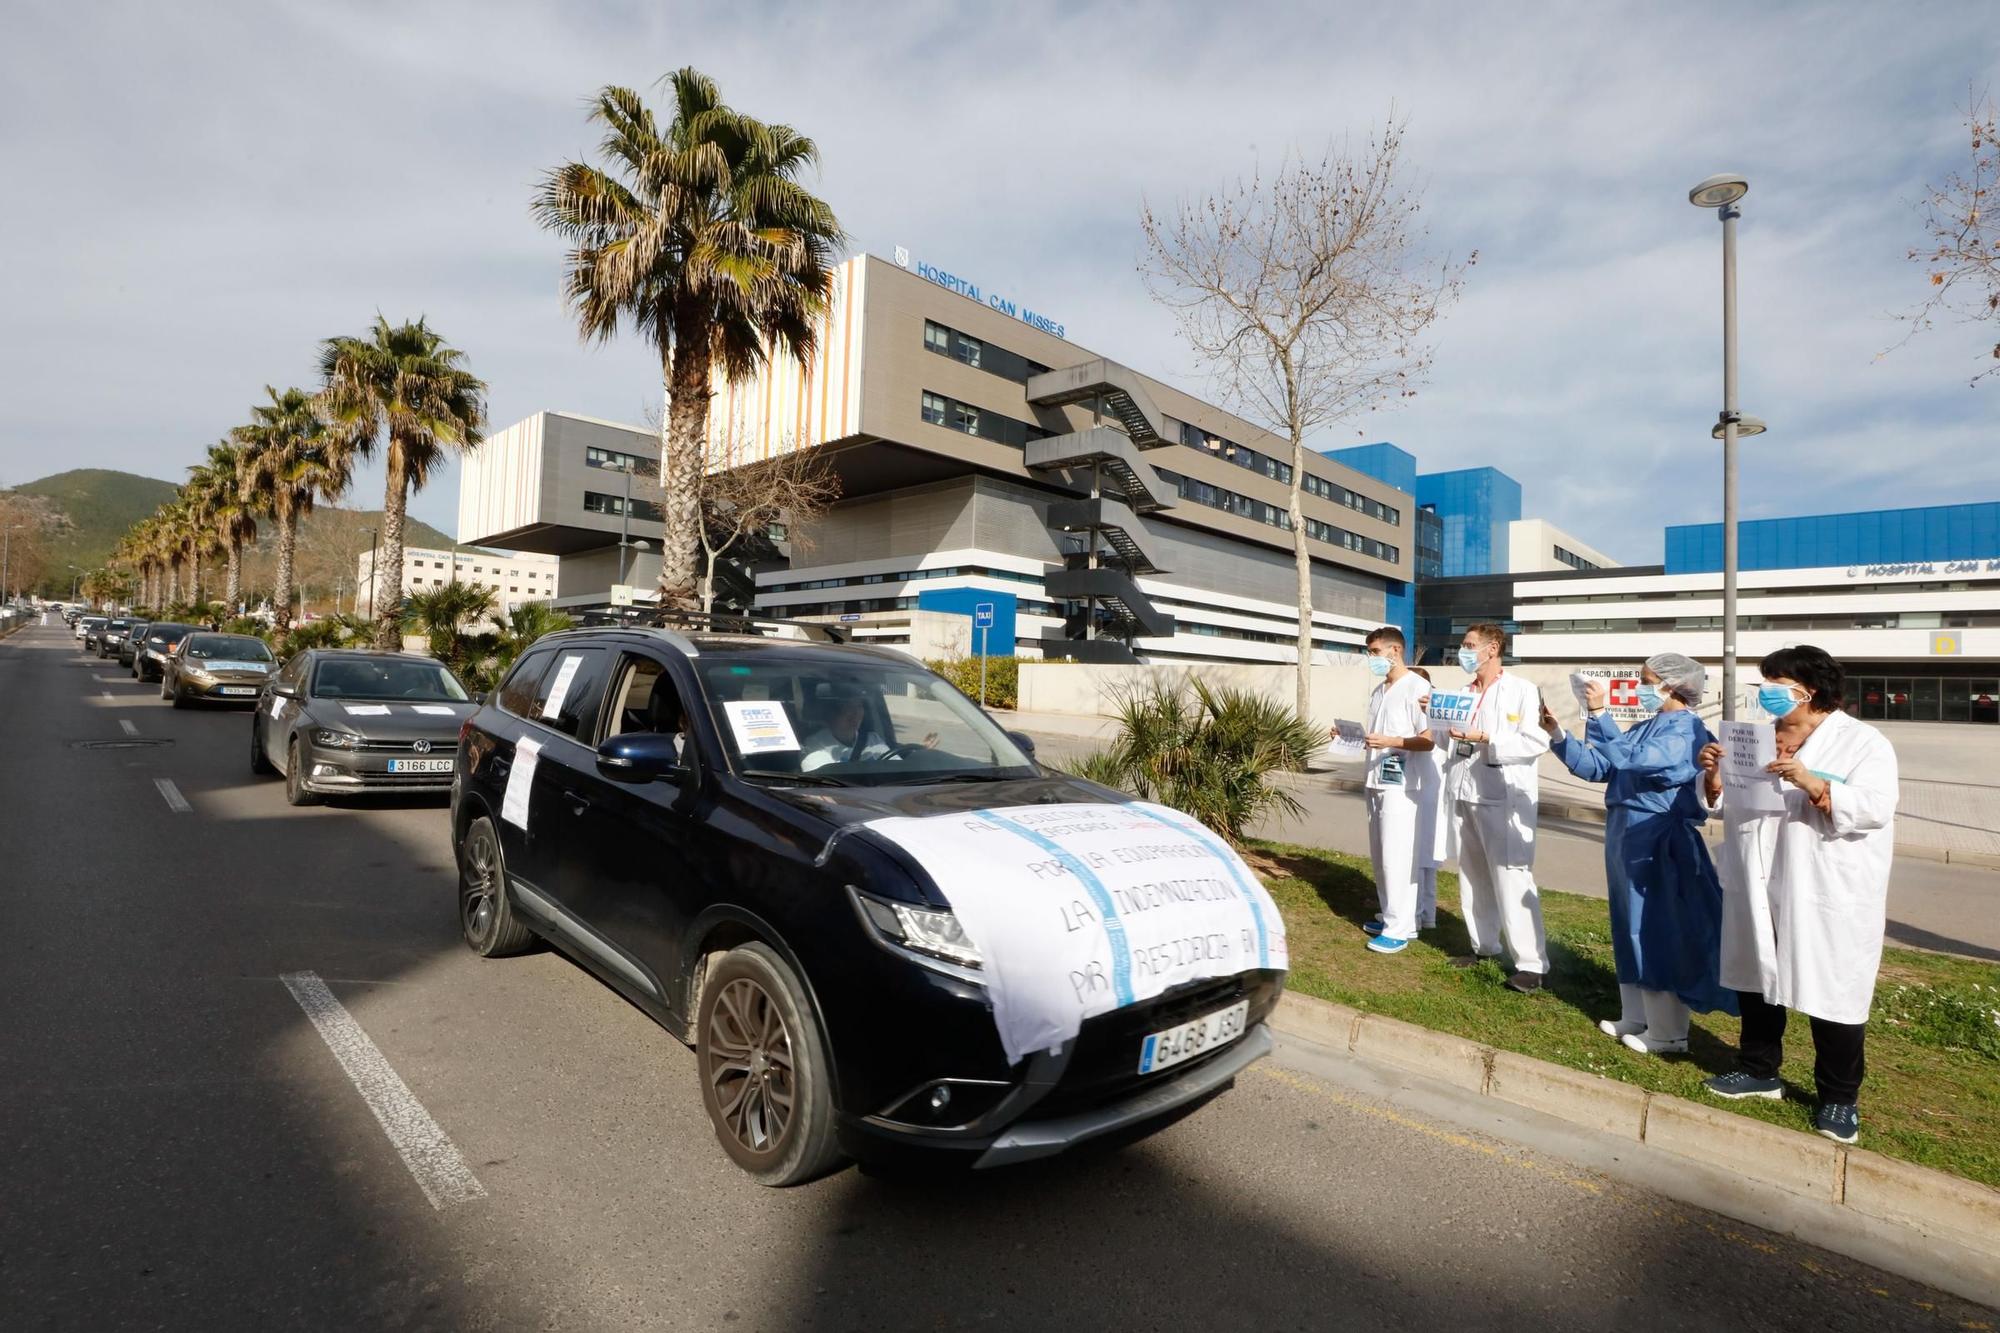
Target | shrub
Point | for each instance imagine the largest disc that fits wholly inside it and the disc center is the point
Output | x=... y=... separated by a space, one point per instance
x=1209 y=752
x=1003 y=678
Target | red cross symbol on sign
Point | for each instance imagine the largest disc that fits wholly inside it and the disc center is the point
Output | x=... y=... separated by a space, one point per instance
x=1623 y=692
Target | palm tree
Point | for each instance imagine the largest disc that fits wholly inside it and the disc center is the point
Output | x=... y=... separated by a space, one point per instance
x=702 y=237
x=442 y=613
x=233 y=507
x=294 y=462
x=407 y=382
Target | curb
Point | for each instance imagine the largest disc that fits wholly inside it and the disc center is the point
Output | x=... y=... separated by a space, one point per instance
x=1935 y=1204
x=1594 y=814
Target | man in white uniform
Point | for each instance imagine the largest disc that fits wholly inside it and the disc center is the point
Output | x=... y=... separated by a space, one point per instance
x=1398 y=736
x=1491 y=789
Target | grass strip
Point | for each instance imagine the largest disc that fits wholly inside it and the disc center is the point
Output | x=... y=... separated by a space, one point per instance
x=1932 y=1094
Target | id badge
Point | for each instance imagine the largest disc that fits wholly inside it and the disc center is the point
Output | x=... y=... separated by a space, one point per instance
x=1463 y=749
x=1392 y=770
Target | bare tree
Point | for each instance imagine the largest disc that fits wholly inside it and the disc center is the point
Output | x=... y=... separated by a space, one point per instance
x=1962 y=253
x=745 y=501
x=1306 y=297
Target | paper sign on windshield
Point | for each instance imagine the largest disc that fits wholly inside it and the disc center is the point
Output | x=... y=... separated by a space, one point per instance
x=761 y=726
x=1450 y=707
x=1080 y=909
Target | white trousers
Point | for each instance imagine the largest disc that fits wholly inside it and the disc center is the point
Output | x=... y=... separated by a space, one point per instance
x=1427 y=897
x=1392 y=846
x=1500 y=902
x=1666 y=1016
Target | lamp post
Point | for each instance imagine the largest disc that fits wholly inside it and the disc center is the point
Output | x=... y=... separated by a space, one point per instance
x=75 y=584
x=1721 y=193
x=372 y=576
x=625 y=524
x=7 y=561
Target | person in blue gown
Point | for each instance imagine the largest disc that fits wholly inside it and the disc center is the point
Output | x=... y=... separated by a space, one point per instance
x=1666 y=902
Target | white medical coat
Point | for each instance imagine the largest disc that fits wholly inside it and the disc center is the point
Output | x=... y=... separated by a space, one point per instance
x=1805 y=894
x=1501 y=771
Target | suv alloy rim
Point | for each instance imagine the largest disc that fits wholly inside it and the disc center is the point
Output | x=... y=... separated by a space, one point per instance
x=476 y=900
x=750 y=1065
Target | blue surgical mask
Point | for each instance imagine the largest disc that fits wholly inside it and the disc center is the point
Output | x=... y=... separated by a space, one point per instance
x=1468 y=661
x=1776 y=700
x=1649 y=698
x=1378 y=667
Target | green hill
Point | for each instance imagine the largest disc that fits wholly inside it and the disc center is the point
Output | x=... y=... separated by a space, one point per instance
x=88 y=510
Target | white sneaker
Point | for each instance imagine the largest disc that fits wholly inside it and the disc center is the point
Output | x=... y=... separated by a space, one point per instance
x=1619 y=1029
x=1647 y=1046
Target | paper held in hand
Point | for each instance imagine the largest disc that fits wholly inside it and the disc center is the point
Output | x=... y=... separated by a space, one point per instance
x=1350 y=739
x=1748 y=748
x=1451 y=708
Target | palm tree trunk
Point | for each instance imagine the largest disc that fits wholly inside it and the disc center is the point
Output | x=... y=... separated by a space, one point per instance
x=194 y=575
x=681 y=458
x=173 y=581
x=288 y=540
x=234 y=583
x=388 y=571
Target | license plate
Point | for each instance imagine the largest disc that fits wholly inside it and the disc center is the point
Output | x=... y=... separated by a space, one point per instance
x=239 y=689
x=1165 y=1049
x=420 y=765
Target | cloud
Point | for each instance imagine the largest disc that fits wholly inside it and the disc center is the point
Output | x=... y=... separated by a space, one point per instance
x=210 y=198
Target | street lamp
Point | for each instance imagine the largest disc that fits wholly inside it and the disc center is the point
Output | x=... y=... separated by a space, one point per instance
x=373 y=577
x=6 y=560
x=1722 y=193
x=75 y=584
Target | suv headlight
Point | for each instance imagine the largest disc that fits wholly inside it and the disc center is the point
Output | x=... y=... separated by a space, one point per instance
x=926 y=935
x=336 y=740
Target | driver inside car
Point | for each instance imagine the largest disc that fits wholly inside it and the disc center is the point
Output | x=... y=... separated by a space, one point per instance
x=843 y=740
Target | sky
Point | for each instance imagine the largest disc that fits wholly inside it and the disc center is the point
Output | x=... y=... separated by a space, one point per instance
x=199 y=194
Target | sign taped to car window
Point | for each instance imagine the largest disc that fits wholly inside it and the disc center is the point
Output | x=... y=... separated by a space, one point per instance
x=1079 y=909
x=761 y=726
x=565 y=674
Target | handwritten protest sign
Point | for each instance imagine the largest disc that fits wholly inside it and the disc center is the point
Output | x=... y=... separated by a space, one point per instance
x=1080 y=909
x=1748 y=748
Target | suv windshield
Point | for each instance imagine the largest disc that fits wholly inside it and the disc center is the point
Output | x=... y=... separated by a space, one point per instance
x=386 y=678
x=852 y=721
x=228 y=648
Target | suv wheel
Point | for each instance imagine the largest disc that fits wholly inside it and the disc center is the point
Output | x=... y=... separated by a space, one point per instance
x=485 y=917
x=295 y=776
x=765 y=1078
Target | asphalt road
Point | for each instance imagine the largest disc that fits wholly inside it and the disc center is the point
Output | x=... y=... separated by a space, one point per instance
x=182 y=1149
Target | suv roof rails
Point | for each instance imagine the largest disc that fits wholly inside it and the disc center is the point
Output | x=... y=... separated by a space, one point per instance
x=714 y=622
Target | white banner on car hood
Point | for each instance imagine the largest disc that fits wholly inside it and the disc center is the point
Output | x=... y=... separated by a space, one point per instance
x=1084 y=908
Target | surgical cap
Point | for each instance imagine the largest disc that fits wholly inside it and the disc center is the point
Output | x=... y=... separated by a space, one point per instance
x=1680 y=676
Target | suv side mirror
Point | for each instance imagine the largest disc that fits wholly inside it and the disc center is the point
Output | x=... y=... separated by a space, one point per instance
x=284 y=691
x=1024 y=740
x=642 y=756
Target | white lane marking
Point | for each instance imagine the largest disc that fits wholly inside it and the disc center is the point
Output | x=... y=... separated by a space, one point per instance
x=175 y=801
x=424 y=1147
x=105 y=693
x=126 y=723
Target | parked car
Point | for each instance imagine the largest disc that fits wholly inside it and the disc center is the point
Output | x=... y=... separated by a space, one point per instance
x=149 y=656
x=207 y=667
x=132 y=643
x=86 y=628
x=341 y=721
x=111 y=635
x=721 y=893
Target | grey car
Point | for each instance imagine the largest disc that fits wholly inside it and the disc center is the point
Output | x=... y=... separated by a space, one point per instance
x=132 y=643
x=207 y=667
x=112 y=637
x=339 y=721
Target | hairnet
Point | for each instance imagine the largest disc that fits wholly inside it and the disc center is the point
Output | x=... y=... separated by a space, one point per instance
x=1680 y=676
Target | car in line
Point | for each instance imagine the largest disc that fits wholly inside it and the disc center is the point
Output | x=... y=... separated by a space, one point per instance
x=111 y=636
x=339 y=721
x=132 y=642
x=731 y=891
x=86 y=629
x=211 y=667
x=150 y=653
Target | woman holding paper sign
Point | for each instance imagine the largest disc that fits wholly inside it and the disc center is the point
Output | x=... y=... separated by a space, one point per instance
x=1666 y=903
x=1807 y=889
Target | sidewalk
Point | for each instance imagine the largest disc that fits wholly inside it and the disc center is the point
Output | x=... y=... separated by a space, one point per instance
x=1949 y=809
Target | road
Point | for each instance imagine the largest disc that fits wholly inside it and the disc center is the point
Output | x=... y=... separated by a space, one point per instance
x=183 y=1149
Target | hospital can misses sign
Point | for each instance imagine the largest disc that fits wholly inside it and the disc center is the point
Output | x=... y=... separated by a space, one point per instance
x=971 y=290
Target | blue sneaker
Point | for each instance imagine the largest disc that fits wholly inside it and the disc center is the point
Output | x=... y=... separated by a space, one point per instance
x=1839 y=1121
x=1387 y=944
x=1372 y=927
x=1739 y=1085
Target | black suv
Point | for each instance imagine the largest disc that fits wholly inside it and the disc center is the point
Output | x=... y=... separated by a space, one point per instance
x=695 y=817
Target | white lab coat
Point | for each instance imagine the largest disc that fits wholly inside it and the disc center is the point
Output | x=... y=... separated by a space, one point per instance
x=1805 y=894
x=1501 y=772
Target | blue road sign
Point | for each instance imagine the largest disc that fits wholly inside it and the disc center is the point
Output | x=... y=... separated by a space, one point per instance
x=982 y=615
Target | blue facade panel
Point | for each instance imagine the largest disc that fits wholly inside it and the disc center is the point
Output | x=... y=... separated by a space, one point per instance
x=1399 y=608
x=1475 y=505
x=999 y=641
x=1873 y=537
x=1382 y=461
